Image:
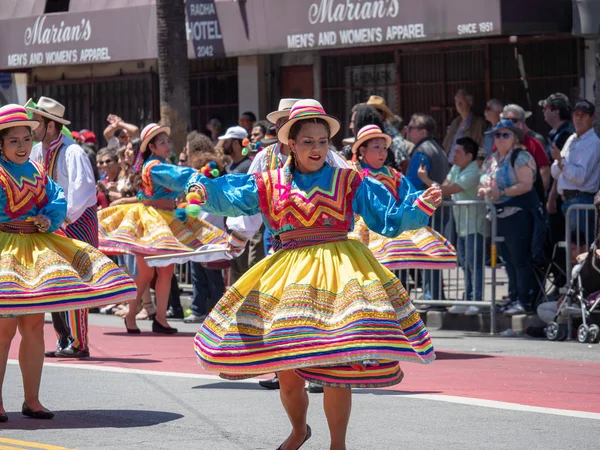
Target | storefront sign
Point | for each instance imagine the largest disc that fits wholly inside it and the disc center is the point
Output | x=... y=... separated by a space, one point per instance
x=78 y=38
x=288 y=25
x=219 y=28
x=203 y=30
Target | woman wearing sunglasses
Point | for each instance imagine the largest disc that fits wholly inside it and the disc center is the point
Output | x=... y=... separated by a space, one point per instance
x=507 y=180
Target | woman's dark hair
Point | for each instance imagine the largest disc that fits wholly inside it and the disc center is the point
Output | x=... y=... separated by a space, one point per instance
x=366 y=115
x=147 y=153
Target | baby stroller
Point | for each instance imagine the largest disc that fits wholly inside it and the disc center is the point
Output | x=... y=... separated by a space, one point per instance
x=582 y=297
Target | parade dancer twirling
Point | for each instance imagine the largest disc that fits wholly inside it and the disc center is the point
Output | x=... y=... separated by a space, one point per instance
x=321 y=308
x=40 y=271
x=153 y=227
x=68 y=165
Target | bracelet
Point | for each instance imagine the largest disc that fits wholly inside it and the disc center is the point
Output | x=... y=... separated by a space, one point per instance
x=501 y=192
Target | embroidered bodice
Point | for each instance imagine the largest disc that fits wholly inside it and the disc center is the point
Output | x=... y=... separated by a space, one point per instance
x=161 y=180
x=325 y=201
x=26 y=191
x=24 y=186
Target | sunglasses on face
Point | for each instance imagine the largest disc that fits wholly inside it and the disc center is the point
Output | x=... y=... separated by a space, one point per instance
x=504 y=135
x=514 y=120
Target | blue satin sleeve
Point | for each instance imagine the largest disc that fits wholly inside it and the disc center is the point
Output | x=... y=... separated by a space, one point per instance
x=56 y=208
x=384 y=215
x=231 y=195
x=171 y=177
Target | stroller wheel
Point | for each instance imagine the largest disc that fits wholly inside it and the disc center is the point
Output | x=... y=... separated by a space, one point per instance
x=556 y=332
x=582 y=333
x=594 y=334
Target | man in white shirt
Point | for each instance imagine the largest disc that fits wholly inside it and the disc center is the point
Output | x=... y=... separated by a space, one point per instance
x=576 y=168
x=68 y=165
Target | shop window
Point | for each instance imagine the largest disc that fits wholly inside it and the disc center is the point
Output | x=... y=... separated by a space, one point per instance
x=352 y=79
x=56 y=6
x=213 y=92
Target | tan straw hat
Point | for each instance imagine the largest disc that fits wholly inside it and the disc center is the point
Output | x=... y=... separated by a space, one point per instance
x=283 y=110
x=48 y=108
x=379 y=104
x=150 y=132
x=304 y=110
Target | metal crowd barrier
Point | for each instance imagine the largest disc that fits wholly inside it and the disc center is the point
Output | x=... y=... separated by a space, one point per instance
x=446 y=287
x=588 y=229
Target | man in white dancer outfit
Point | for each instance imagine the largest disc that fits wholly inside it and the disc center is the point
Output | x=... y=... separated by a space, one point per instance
x=68 y=165
x=271 y=158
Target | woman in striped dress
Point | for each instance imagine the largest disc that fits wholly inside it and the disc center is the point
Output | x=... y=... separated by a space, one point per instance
x=40 y=271
x=321 y=308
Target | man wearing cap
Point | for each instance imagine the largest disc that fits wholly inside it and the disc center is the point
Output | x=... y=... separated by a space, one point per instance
x=575 y=168
x=400 y=147
x=68 y=165
x=234 y=148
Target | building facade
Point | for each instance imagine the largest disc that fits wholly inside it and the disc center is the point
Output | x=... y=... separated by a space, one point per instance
x=99 y=57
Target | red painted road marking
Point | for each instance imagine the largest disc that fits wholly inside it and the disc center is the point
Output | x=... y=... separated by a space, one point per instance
x=529 y=381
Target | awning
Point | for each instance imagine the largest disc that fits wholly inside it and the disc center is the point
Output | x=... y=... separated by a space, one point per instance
x=97 y=31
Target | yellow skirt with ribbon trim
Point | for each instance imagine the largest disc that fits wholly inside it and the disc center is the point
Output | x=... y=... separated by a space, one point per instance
x=145 y=230
x=328 y=311
x=45 y=272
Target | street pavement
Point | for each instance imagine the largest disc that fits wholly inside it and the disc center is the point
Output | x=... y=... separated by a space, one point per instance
x=148 y=392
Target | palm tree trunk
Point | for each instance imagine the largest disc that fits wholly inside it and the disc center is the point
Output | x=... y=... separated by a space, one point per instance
x=173 y=70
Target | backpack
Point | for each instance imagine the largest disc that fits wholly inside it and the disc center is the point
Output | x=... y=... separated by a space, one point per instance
x=538 y=184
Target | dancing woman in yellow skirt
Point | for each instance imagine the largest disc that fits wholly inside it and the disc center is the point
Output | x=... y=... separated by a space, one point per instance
x=40 y=271
x=321 y=308
x=153 y=226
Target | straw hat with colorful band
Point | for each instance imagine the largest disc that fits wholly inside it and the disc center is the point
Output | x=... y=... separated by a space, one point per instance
x=283 y=110
x=304 y=110
x=150 y=132
x=15 y=116
x=369 y=132
x=48 y=108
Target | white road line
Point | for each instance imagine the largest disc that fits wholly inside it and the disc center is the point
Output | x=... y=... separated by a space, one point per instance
x=433 y=397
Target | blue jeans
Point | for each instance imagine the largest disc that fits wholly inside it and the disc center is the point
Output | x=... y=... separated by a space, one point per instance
x=581 y=221
x=208 y=288
x=470 y=255
x=517 y=231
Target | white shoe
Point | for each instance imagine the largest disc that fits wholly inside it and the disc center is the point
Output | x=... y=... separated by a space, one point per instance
x=472 y=311
x=457 y=309
x=514 y=309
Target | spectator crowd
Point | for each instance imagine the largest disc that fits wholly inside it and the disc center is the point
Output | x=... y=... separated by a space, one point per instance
x=530 y=179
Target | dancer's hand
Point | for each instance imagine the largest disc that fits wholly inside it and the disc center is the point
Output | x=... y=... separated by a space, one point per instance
x=234 y=251
x=41 y=222
x=433 y=196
